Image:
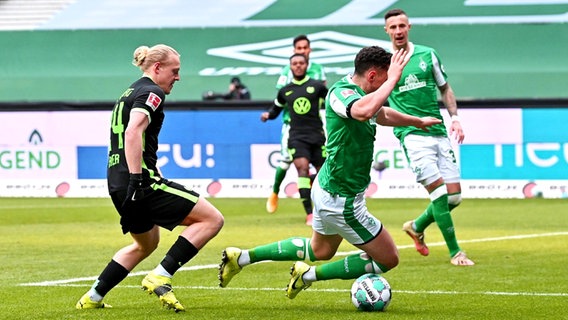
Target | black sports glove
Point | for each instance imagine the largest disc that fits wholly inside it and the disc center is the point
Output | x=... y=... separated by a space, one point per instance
x=135 y=190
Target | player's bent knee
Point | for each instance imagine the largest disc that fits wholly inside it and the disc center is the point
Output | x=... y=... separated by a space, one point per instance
x=322 y=255
x=455 y=199
x=145 y=250
x=386 y=261
x=218 y=222
x=285 y=165
x=215 y=220
x=392 y=262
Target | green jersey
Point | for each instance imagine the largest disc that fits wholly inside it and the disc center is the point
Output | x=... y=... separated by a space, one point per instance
x=416 y=91
x=350 y=143
x=314 y=71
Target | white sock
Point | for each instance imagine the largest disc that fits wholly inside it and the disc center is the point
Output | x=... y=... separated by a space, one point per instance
x=244 y=259
x=310 y=275
x=159 y=270
x=94 y=295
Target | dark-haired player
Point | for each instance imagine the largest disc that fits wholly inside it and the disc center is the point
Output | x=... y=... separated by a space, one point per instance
x=302 y=98
x=354 y=106
x=429 y=153
x=315 y=71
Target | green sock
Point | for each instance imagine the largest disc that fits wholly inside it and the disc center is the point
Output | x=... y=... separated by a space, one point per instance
x=441 y=213
x=350 y=267
x=291 y=249
x=278 y=178
x=427 y=217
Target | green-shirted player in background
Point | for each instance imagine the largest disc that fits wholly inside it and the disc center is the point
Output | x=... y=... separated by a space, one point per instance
x=430 y=154
x=316 y=72
x=353 y=107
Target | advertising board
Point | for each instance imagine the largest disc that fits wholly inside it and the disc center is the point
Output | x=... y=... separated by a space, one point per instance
x=231 y=153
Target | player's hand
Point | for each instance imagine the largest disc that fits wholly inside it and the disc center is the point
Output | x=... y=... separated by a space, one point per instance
x=398 y=60
x=264 y=116
x=427 y=122
x=137 y=188
x=456 y=131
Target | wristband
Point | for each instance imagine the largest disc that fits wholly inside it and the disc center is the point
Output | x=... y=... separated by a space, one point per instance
x=456 y=118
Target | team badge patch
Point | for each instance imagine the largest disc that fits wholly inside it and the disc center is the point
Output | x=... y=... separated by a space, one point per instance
x=347 y=92
x=153 y=101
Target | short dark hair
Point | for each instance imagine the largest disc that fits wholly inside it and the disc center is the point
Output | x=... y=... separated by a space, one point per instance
x=369 y=57
x=298 y=55
x=394 y=13
x=300 y=38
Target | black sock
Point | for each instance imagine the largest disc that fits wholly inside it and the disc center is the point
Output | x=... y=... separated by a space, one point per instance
x=179 y=254
x=312 y=178
x=110 y=277
x=306 y=200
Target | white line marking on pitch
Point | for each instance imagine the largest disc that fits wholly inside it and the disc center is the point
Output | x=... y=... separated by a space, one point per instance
x=439 y=292
x=517 y=237
x=67 y=282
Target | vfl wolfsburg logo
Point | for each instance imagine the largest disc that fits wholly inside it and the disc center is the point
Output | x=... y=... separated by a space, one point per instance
x=302 y=105
x=327 y=47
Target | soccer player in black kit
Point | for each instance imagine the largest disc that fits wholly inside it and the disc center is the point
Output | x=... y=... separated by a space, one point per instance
x=143 y=198
x=306 y=143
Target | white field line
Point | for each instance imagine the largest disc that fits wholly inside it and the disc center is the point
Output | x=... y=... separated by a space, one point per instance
x=438 y=292
x=73 y=281
x=505 y=238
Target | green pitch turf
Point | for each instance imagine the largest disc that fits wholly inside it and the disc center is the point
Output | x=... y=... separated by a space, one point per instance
x=53 y=249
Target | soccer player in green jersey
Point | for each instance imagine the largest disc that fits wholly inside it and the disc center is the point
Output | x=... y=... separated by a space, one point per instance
x=301 y=99
x=144 y=200
x=354 y=107
x=316 y=72
x=430 y=154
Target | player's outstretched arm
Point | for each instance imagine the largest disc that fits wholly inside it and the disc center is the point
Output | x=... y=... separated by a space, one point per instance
x=392 y=118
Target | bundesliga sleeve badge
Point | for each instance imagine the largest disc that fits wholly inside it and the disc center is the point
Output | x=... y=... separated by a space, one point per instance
x=153 y=101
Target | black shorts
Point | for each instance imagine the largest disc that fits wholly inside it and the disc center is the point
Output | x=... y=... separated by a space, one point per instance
x=314 y=152
x=166 y=206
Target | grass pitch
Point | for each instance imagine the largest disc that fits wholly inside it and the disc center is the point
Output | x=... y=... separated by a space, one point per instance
x=53 y=249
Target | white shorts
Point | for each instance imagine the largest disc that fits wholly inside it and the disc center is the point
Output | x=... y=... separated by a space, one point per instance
x=431 y=158
x=345 y=216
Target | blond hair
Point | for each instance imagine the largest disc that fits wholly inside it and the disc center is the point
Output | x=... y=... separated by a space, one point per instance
x=145 y=56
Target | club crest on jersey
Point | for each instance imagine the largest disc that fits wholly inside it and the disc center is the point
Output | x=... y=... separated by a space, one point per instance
x=347 y=92
x=153 y=101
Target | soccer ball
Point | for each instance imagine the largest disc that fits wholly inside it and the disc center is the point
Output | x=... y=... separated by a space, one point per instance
x=371 y=292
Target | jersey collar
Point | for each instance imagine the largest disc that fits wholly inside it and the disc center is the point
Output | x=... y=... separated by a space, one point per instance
x=410 y=49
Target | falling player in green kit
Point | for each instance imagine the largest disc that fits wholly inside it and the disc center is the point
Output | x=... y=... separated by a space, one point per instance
x=354 y=107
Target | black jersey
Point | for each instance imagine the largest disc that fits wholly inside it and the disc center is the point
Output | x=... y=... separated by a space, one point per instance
x=147 y=97
x=303 y=99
